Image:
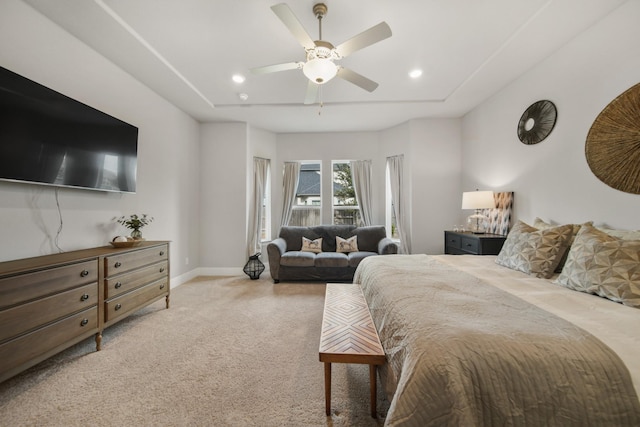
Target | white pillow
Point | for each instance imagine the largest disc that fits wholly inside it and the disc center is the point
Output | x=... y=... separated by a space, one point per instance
x=347 y=245
x=309 y=245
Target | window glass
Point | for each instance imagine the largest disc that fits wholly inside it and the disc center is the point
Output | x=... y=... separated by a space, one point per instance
x=308 y=203
x=345 y=204
x=265 y=226
x=390 y=223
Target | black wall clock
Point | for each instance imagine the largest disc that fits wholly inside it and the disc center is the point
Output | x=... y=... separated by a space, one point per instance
x=537 y=122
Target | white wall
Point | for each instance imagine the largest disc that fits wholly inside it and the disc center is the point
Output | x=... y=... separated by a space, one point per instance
x=552 y=179
x=223 y=197
x=168 y=176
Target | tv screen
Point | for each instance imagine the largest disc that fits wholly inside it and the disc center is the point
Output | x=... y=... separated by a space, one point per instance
x=49 y=138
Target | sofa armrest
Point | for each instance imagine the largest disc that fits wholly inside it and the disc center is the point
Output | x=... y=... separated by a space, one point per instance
x=275 y=249
x=387 y=246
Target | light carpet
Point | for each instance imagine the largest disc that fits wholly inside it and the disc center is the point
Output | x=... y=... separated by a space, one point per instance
x=228 y=352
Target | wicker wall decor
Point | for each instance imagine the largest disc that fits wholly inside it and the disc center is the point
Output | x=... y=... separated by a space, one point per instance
x=537 y=122
x=613 y=143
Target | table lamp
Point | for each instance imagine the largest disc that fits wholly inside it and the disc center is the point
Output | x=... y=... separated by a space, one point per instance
x=477 y=200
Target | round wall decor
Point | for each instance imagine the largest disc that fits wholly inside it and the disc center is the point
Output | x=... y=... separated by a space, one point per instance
x=537 y=122
x=613 y=143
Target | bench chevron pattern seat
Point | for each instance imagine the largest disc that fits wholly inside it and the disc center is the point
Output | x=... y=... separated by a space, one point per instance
x=349 y=336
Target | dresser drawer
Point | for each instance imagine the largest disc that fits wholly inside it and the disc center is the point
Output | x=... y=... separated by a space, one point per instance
x=22 y=318
x=471 y=245
x=24 y=287
x=21 y=350
x=127 y=303
x=453 y=240
x=125 y=282
x=121 y=263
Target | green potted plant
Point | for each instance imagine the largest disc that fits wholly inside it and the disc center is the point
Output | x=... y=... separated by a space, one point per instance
x=135 y=223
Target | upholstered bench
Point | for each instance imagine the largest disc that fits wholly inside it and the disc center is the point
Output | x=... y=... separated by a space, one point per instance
x=349 y=336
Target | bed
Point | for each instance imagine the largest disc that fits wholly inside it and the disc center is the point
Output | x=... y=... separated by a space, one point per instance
x=471 y=342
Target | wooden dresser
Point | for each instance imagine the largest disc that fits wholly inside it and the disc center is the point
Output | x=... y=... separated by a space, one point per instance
x=52 y=302
x=458 y=243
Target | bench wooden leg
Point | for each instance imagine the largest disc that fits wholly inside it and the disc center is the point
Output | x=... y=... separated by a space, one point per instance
x=374 y=389
x=327 y=388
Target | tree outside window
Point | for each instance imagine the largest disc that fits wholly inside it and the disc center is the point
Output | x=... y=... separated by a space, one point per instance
x=345 y=204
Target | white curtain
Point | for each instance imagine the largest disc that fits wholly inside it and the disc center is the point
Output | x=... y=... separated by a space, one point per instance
x=254 y=227
x=361 y=174
x=396 y=173
x=289 y=188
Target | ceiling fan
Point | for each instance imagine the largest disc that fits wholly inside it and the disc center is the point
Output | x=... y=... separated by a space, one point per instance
x=320 y=66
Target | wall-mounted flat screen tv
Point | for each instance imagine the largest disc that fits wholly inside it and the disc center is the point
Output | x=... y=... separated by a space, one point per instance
x=49 y=138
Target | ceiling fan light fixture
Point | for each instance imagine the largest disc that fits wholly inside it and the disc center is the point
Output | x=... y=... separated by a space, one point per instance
x=320 y=70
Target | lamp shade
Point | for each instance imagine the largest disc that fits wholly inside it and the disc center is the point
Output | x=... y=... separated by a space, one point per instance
x=478 y=200
x=320 y=70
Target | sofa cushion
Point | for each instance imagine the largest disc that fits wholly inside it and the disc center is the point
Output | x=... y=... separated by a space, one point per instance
x=293 y=236
x=347 y=245
x=369 y=237
x=356 y=257
x=298 y=259
x=329 y=234
x=309 y=245
x=331 y=259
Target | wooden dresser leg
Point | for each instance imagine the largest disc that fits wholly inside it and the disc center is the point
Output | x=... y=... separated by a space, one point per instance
x=327 y=388
x=374 y=389
x=99 y=341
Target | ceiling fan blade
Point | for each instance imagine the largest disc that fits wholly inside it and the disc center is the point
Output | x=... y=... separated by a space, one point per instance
x=290 y=20
x=312 y=93
x=277 y=67
x=357 y=79
x=364 y=39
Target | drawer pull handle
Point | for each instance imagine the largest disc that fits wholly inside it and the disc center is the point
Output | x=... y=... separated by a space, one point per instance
x=84 y=297
x=118 y=307
x=84 y=273
x=118 y=285
x=118 y=264
x=469 y=245
x=162 y=286
x=161 y=269
x=84 y=322
x=161 y=253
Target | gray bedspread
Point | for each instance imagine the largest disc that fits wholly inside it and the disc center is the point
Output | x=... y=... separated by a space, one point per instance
x=461 y=352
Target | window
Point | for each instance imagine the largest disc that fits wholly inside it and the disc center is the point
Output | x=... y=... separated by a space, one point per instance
x=308 y=204
x=345 y=204
x=265 y=226
x=390 y=215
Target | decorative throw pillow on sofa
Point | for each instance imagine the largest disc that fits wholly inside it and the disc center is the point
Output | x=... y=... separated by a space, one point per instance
x=535 y=252
x=347 y=245
x=601 y=264
x=309 y=245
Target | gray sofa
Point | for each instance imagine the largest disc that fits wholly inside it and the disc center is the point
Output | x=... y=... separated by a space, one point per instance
x=288 y=262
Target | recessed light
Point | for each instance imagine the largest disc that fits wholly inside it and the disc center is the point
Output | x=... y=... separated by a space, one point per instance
x=238 y=78
x=414 y=74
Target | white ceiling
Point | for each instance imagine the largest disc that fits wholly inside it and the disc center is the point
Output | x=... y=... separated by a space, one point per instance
x=188 y=50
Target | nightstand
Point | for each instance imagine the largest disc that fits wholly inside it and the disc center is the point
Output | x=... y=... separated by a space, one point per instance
x=457 y=243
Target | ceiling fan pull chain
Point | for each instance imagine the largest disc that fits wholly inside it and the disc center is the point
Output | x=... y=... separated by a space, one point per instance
x=320 y=98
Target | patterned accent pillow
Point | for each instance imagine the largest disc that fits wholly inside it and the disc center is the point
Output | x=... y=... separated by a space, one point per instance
x=347 y=245
x=309 y=245
x=621 y=234
x=603 y=265
x=542 y=225
x=535 y=252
